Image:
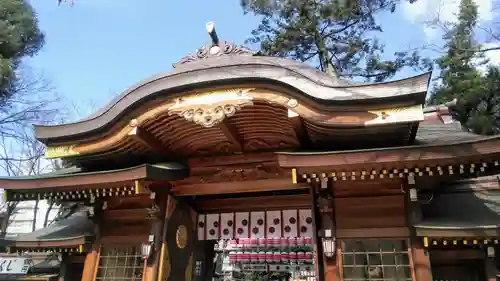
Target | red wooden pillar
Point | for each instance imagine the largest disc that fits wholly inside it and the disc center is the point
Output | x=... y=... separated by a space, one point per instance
x=421 y=261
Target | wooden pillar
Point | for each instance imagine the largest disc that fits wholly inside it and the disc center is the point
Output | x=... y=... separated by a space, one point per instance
x=164 y=266
x=421 y=261
x=331 y=268
x=152 y=264
x=324 y=219
x=91 y=264
x=490 y=269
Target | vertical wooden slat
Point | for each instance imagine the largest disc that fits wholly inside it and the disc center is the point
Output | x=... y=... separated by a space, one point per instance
x=339 y=262
x=164 y=262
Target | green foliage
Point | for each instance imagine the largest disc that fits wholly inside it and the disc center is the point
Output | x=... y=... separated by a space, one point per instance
x=476 y=94
x=19 y=37
x=332 y=34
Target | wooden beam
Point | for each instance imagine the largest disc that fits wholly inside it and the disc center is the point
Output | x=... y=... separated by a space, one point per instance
x=147 y=139
x=231 y=134
x=245 y=204
x=235 y=187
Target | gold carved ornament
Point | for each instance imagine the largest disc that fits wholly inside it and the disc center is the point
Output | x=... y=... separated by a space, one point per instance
x=210 y=109
x=181 y=236
x=60 y=151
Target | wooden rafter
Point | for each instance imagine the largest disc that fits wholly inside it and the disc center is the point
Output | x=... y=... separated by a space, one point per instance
x=147 y=139
x=300 y=131
x=231 y=134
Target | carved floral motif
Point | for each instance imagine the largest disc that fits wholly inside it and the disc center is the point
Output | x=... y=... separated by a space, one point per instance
x=211 y=108
x=224 y=48
x=208 y=117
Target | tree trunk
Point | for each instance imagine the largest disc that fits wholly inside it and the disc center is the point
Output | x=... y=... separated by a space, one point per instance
x=10 y=211
x=35 y=214
x=46 y=218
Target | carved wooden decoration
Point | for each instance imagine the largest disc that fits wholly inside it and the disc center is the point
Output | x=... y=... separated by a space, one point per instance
x=257 y=224
x=224 y=48
x=248 y=226
x=397 y=115
x=305 y=223
x=290 y=222
x=227 y=226
x=211 y=108
x=242 y=225
x=274 y=224
x=216 y=48
x=181 y=237
x=60 y=151
x=213 y=226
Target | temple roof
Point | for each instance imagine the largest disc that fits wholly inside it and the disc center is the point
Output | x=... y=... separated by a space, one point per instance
x=223 y=75
x=469 y=211
x=72 y=232
x=97 y=183
x=303 y=82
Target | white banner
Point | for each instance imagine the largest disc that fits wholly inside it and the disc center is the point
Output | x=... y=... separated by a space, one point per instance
x=14 y=265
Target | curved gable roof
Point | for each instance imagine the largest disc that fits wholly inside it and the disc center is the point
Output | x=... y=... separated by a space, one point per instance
x=307 y=82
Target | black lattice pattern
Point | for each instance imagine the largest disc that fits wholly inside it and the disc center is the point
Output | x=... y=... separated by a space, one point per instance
x=120 y=263
x=376 y=260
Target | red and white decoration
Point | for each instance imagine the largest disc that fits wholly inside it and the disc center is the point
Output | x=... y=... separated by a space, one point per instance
x=290 y=222
x=305 y=223
x=256 y=229
x=257 y=225
x=242 y=226
x=226 y=226
x=274 y=224
x=212 y=227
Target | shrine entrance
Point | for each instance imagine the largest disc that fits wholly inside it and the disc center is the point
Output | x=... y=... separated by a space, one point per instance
x=272 y=245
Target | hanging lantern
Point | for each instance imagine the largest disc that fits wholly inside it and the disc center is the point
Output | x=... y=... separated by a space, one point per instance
x=147 y=248
x=329 y=244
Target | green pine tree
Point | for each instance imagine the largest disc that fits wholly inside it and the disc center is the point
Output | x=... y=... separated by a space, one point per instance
x=337 y=36
x=460 y=78
x=20 y=36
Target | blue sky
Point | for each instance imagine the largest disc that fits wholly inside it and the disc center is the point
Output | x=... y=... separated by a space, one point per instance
x=98 y=48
